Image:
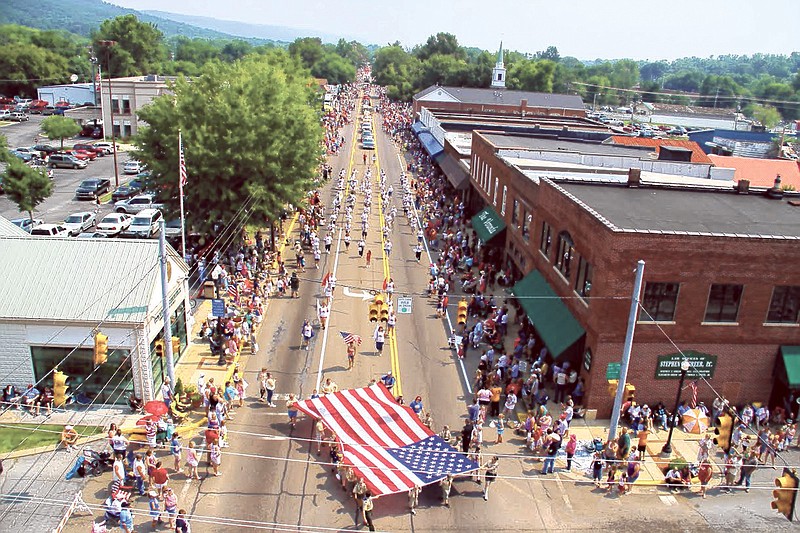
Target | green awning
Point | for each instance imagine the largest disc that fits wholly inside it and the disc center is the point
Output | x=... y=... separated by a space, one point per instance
x=791 y=361
x=554 y=322
x=487 y=224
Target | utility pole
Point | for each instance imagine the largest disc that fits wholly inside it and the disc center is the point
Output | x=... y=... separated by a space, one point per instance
x=108 y=45
x=626 y=350
x=165 y=275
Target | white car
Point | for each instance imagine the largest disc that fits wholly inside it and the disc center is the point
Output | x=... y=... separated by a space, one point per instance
x=132 y=167
x=79 y=222
x=107 y=147
x=114 y=223
x=50 y=230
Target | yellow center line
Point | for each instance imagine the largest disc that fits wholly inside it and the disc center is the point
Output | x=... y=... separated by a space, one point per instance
x=393 y=352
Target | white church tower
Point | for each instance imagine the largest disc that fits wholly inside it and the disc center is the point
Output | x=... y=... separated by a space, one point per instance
x=499 y=71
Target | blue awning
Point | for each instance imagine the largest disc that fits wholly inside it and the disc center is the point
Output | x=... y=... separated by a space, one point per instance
x=430 y=144
x=418 y=127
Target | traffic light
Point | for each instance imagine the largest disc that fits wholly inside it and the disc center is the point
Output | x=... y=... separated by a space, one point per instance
x=723 y=430
x=159 y=348
x=612 y=387
x=176 y=345
x=100 y=348
x=59 y=388
x=630 y=392
x=786 y=493
x=375 y=308
x=384 y=310
x=462 y=313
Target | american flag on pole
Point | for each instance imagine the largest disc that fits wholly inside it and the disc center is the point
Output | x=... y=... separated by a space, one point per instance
x=349 y=337
x=181 y=161
x=233 y=291
x=693 y=386
x=384 y=442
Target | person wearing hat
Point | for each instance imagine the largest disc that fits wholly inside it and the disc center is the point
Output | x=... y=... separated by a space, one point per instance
x=388 y=380
x=155 y=508
x=126 y=518
x=69 y=437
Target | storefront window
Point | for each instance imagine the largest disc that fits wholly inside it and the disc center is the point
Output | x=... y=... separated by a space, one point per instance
x=111 y=383
x=158 y=364
x=515 y=214
x=526 y=226
x=547 y=237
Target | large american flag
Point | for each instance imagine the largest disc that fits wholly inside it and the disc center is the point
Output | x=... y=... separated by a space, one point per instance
x=384 y=442
x=349 y=337
x=181 y=161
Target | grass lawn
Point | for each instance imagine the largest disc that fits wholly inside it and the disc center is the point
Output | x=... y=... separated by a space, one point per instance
x=46 y=434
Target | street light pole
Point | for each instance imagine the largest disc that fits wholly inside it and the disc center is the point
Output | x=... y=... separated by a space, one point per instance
x=107 y=45
x=667 y=449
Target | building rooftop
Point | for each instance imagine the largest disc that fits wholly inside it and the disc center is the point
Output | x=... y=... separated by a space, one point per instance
x=469 y=95
x=698 y=155
x=523 y=142
x=682 y=211
x=84 y=280
x=9 y=229
x=761 y=172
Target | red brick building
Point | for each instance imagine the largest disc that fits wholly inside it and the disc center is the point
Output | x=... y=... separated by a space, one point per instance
x=719 y=278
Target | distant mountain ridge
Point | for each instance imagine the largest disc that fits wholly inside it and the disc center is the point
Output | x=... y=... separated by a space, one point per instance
x=84 y=16
x=245 y=29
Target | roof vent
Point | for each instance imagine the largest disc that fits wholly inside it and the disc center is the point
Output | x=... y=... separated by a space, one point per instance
x=634 y=177
x=743 y=186
x=775 y=192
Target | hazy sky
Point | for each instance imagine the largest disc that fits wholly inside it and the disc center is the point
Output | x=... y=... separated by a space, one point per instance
x=586 y=29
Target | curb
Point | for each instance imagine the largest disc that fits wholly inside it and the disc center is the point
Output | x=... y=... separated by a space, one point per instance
x=44 y=449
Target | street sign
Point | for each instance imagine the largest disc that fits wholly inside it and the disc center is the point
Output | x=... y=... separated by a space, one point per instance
x=613 y=370
x=404 y=306
x=217 y=307
x=702 y=365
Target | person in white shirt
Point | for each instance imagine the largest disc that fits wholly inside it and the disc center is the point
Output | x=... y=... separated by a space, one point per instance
x=324 y=313
x=380 y=339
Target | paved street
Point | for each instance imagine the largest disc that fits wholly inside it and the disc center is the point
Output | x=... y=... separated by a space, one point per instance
x=62 y=203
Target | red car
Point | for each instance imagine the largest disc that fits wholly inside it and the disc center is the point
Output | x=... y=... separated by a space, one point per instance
x=82 y=147
x=83 y=156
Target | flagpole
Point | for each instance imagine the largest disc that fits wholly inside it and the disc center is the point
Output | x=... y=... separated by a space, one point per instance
x=181 y=177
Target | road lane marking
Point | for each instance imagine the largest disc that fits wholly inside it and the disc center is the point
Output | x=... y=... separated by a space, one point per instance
x=451 y=330
x=353 y=144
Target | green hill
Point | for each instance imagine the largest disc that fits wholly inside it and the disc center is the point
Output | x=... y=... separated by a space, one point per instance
x=84 y=16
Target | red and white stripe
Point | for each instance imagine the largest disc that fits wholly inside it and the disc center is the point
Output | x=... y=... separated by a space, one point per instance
x=366 y=421
x=182 y=161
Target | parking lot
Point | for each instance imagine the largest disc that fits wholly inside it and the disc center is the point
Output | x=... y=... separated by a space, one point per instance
x=62 y=203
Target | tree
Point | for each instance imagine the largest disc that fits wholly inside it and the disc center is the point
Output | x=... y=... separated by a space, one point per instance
x=25 y=186
x=308 y=49
x=533 y=76
x=60 y=127
x=23 y=67
x=398 y=70
x=443 y=70
x=441 y=43
x=139 y=49
x=251 y=137
x=766 y=115
x=550 y=54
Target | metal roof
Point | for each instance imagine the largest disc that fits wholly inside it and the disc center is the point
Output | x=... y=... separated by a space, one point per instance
x=472 y=95
x=9 y=229
x=77 y=279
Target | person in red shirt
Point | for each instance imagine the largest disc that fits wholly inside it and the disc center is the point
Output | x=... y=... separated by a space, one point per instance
x=160 y=478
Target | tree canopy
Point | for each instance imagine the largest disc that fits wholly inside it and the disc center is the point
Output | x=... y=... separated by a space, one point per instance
x=60 y=127
x=251 y=139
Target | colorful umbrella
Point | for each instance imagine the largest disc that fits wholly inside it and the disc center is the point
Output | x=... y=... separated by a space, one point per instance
x=155 y=407
x=695 y=421
x=149 y=418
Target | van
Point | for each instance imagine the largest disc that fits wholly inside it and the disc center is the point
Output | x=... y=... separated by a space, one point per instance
x=65 y=161
x=145 y=224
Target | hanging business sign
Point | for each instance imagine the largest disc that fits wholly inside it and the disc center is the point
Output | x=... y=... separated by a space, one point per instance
x=701 y=365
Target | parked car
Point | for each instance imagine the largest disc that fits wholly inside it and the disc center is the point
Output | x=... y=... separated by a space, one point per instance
x=114 y=223
x=128 y=190
x=50 y=230
x=145 y=224
x=92 y=189
x=92 y=235
x=48 y=110
x=107 y=147
x=368 y=144
x=79 y=222
x=26 y=223
x=5 y=114
x=25 y=156
x=172 y=229
x=132 y=167
x=83 y=147
x=137 y=204
x=45 y=149
x=83 y=156
x=18 y=116
x=65 y=161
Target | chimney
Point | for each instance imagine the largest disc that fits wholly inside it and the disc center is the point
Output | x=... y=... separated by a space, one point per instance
x=743 y=187
x=634 y=177
x=523 y=103
x=775 y=192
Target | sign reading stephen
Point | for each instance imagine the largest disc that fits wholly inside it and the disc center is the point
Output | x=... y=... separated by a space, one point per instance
x=702 y=365
x=487 y=224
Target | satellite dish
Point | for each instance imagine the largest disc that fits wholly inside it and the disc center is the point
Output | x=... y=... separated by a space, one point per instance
x=73 y=78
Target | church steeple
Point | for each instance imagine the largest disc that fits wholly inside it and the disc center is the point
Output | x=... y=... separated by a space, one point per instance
x=499 y=71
